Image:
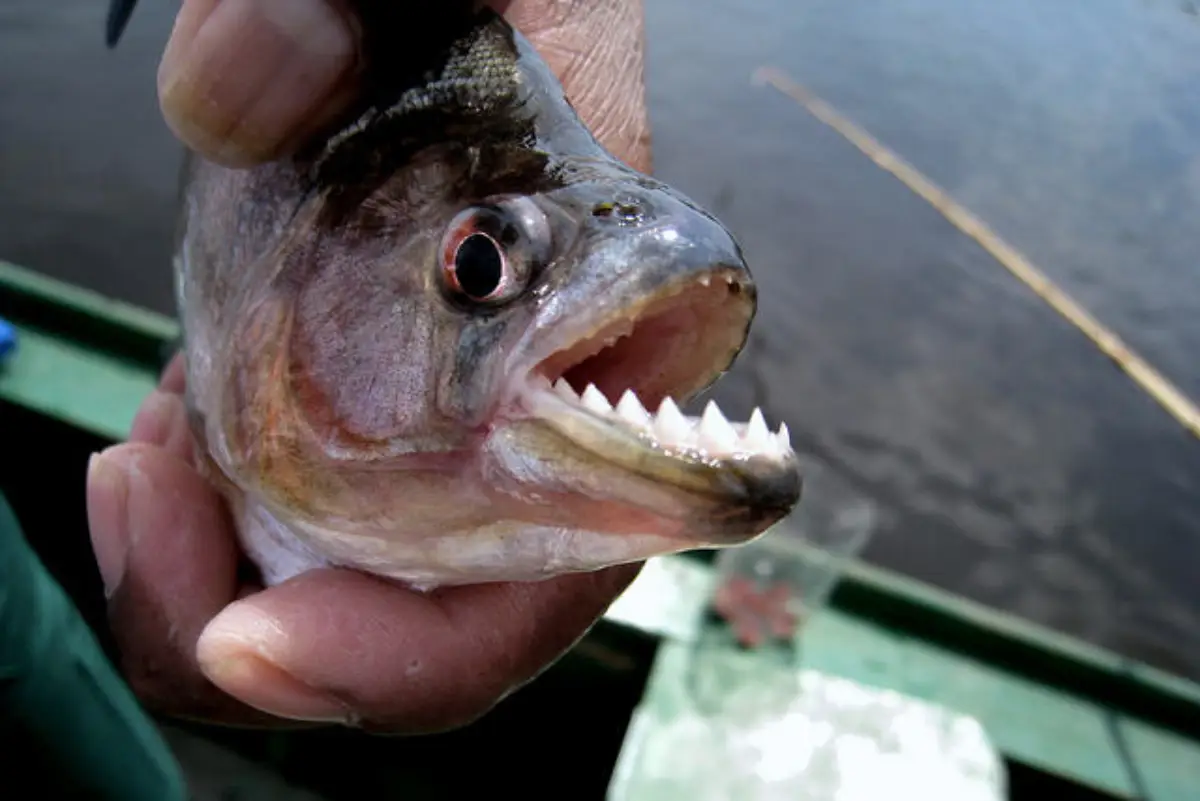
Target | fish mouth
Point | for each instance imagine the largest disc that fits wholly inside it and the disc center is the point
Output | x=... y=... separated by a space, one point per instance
x=615 y=391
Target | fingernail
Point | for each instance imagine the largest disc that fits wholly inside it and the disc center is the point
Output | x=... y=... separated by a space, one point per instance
x=271 y=689
x=238 y=85
x=107 y=502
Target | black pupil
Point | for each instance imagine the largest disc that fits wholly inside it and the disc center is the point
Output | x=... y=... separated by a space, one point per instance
x=478 y=266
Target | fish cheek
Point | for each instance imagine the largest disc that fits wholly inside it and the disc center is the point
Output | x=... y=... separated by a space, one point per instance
x=475 y=382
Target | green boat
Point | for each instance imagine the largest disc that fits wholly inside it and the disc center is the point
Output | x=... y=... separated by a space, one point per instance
x=914 y=684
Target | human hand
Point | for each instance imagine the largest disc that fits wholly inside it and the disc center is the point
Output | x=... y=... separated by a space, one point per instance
x=307 y=52
x=197 y=639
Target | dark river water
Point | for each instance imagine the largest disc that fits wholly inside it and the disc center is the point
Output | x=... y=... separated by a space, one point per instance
x=1014 y=463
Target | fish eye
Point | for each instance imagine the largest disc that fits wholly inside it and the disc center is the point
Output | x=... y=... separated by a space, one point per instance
x=478 y=266
x=490 y=252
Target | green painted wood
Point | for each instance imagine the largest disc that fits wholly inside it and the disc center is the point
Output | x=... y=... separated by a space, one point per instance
x=902 y=604
x=119 y=329
x=88 y=389
x=81 y=357
x=1167 y=764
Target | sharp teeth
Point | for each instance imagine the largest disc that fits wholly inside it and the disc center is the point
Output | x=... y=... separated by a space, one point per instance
x=783 y=439
x=564 y=391
x=712 y=433
x=670 y=424
x=631 y=409
x=758 y=437
x=594 y=399
x=716 y=435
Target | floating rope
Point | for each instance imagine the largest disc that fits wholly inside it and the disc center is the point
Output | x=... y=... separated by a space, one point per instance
x=1142 y=372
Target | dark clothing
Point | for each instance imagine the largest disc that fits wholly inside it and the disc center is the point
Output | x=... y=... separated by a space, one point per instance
x=69 y=725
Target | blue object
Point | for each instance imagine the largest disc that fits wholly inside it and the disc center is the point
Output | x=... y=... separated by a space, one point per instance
x=8 y=339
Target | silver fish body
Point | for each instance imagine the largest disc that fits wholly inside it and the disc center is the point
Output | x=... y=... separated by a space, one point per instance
x=426 y=348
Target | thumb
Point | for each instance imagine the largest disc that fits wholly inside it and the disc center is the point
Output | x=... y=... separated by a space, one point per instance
x=246 y=81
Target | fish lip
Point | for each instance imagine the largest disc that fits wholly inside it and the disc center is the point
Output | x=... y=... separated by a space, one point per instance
x=751 y=487
x=592 y=327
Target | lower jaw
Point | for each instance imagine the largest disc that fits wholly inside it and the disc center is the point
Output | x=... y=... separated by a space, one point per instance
x=573 y=457
x=590 y=444
x=563 y=481
x=521 y=543
x=520 y=529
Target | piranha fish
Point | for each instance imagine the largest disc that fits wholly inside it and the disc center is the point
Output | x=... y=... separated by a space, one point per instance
x=449 y=342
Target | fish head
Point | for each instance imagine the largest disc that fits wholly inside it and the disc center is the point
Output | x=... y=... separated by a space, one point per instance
x=647 y=304
x=464 y=359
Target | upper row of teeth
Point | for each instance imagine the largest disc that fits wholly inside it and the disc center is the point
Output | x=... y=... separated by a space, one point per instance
x=710 y=433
